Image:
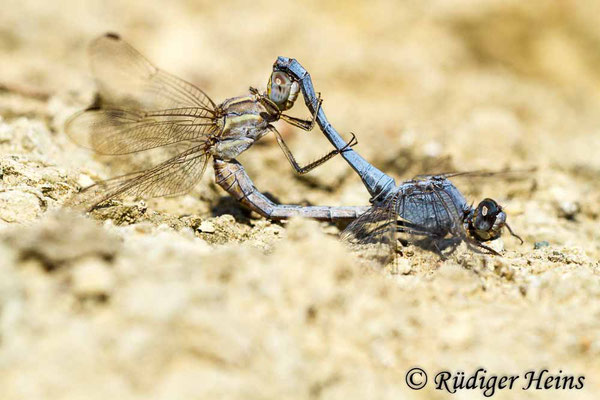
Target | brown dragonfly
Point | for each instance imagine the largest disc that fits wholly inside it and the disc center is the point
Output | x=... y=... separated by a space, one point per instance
x=140 y=107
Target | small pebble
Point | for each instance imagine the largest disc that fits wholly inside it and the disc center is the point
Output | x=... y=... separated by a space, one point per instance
x=539 y=245
x=274 y=230
x=497 y=244
x=84 y=180
x=207 y=227
x=568 y=209
x=432 y=149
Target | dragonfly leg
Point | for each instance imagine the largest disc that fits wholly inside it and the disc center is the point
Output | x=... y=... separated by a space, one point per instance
x=375 y=180
x=445 y=247
x=303 y=170
x=453 y=246
x=232 y=177
x=439 y=251
x=477 y=245
x=304 y=124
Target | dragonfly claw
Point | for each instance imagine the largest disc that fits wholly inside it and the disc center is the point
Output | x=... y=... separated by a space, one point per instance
x=353 y=142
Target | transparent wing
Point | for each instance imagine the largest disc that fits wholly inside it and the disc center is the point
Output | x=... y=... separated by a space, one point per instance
x=505 y=173
x=138 y=106
x=127 y=79
x=118 y=131
x=448 y=209
x=174 y=176
x=428 y=217
x=372 y=234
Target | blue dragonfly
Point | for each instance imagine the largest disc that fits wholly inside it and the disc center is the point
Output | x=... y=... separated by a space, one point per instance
x=428 y=210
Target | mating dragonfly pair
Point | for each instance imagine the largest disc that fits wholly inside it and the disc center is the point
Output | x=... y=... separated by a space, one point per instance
x=139 y=107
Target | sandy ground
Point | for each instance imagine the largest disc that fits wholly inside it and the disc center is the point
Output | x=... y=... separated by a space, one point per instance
x=194 y=297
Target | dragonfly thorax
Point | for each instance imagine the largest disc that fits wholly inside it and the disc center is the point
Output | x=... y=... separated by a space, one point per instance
x=432 y=207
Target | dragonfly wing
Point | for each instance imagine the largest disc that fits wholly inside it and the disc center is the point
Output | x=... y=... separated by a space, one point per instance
x=504 y=174
x=452 y=215
x=373 y=234
x=126 y=78
x=139 y=107
x=174 y=176
x=115 y=131
x=429 y=217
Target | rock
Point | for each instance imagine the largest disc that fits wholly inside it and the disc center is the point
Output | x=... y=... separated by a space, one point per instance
x=19 y=206
x=497 y=244
x=84 y=181
x=206 y=227
x=568 y=209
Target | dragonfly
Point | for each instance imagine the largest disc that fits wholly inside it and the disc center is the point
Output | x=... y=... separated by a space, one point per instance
x=139 y=107
x=428 y=210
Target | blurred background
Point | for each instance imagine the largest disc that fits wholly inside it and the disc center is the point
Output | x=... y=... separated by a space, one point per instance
x=426 y=86
x=460 y=84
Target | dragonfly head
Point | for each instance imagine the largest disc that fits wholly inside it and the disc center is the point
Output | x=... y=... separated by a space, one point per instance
x=282 y=90
x=487 y=221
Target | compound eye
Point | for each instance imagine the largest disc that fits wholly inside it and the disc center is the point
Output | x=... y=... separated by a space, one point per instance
x=280 y=86
x=487 y=212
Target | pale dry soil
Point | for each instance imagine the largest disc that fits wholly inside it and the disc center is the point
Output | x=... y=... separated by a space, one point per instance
x=194 y=297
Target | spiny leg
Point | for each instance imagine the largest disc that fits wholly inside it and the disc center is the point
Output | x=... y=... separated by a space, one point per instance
x=304 y=124
x=474 y=245
x=375 y=180
x=302 y=170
